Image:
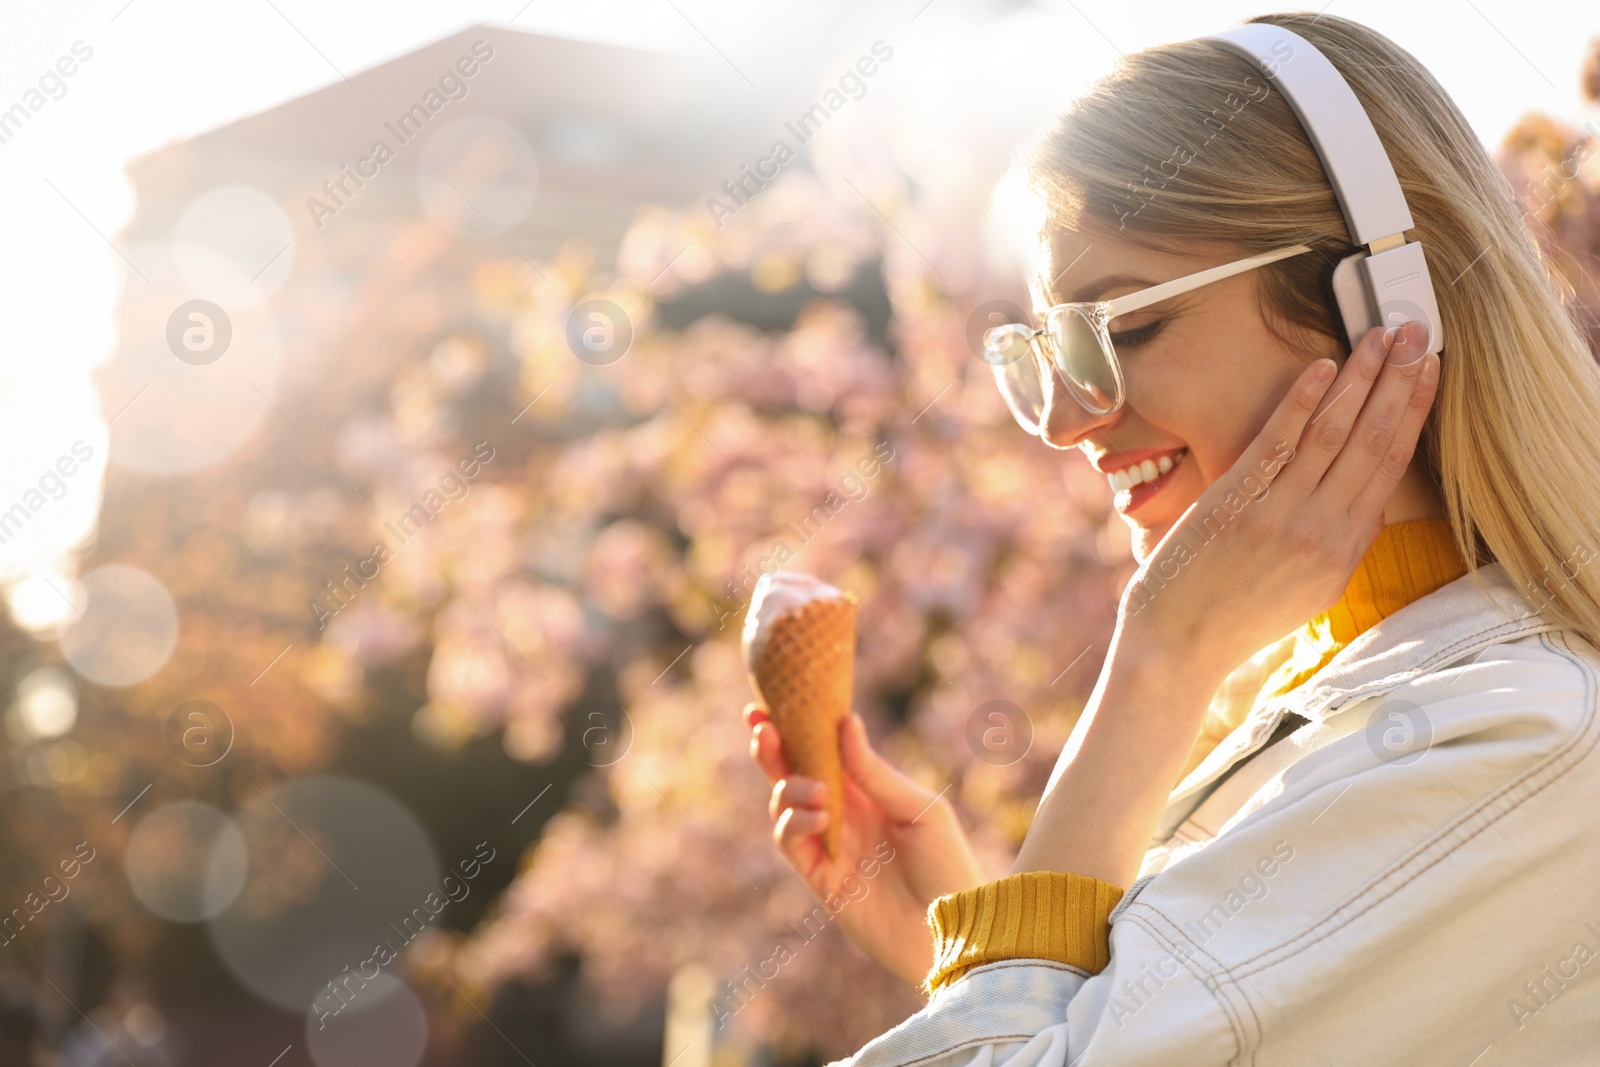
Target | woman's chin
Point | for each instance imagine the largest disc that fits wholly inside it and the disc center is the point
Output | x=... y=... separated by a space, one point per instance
x=1148 y=535
x=1145 y=540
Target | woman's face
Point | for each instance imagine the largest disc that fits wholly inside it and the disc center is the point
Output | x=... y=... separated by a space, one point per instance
x=1203 y=371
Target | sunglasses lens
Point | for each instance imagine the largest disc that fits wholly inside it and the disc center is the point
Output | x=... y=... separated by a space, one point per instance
x=1005 y=345
x=1022 y=391
x=1084 y=365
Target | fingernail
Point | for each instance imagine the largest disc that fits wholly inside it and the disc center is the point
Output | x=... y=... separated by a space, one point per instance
x=1322 y=374
x=1389 y=336
x=1430 y=369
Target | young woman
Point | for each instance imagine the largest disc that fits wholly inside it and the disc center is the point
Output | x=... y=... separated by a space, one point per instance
x=1361 y=639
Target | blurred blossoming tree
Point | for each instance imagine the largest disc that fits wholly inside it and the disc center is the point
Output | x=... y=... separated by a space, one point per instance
x=1554 y=171
x=981 y=563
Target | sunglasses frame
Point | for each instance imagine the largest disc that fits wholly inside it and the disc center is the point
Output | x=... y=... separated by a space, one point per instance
x=1099 y=314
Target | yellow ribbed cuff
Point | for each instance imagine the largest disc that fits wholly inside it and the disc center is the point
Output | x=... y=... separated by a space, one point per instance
x=1046 y=915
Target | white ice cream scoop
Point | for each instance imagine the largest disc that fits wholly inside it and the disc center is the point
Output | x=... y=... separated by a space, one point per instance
x=775 y=594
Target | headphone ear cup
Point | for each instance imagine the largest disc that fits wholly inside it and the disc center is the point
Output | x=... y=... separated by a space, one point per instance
x=1352 y=298
x=1398 y=278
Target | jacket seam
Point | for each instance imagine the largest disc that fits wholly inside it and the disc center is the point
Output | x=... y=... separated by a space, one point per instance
x=1001 y=965
x=1128 y=898
x=1389 y=681
x=972 y=1043
x=1366 y=898
x=1208 y=977
x=1184 y=830
x=1322 y=702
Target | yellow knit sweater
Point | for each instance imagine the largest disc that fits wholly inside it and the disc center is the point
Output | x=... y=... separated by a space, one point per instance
x=1058 y=916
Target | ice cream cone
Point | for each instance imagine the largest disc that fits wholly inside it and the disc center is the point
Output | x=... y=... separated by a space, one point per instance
x=800 y=643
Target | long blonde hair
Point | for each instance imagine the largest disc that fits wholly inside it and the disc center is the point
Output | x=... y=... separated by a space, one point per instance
x=1160 y=153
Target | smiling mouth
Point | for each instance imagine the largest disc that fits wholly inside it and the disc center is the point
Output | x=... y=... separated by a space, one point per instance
x=1149 y=470
x=1137 y=482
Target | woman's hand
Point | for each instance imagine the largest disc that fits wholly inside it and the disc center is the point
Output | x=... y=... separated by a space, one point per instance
x=901 y=846
x=1244 y=566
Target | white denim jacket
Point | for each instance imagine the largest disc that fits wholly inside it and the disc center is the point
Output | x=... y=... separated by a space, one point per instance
x=1411 y=876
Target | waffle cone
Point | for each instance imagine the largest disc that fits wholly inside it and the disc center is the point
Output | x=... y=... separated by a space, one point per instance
x=804 y=673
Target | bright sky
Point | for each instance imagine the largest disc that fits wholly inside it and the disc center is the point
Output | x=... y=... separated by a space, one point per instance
x=164 y=70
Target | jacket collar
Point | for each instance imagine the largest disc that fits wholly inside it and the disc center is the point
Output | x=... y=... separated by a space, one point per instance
x=1469 y=614
x=1482 y=608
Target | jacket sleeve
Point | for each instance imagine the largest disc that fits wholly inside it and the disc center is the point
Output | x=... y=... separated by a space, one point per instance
x=1145 y=1009
x=1047 y=915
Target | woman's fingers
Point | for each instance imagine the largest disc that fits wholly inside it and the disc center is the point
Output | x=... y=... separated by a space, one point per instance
x=1374 y=425
x=754 y=714
x=1330 y=429
x=900 y=797
x=796 y=830
x=766 y=748
x=796 y=792
x=1263 y=463
x=796 y=804
x=1366 y=476
x=1326 y=431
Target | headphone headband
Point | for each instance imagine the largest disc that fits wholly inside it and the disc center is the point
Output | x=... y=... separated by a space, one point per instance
x=1357 y=166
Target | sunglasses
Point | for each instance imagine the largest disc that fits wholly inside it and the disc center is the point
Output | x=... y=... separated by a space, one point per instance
x=1076 y=341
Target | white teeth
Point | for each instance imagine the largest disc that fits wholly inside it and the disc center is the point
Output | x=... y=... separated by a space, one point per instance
x=1147 y=471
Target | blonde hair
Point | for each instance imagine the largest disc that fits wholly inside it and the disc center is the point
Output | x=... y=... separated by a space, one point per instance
x=1183 y=146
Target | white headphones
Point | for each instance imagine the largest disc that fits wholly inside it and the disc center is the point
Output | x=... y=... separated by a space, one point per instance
x=1387 y=282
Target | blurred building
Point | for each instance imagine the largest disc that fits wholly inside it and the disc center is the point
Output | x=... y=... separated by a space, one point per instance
x=612 y=128
x=303 y=222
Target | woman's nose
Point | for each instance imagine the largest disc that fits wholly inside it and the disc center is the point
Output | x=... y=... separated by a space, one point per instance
x=1067 y=423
